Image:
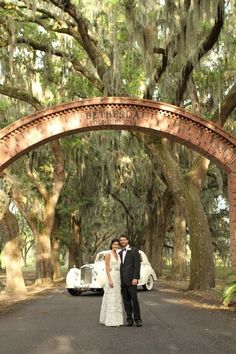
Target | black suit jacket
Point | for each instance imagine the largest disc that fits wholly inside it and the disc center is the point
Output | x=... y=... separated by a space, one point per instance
x=131 y=268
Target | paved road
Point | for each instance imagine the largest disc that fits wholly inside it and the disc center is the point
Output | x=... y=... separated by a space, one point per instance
x=58 y=323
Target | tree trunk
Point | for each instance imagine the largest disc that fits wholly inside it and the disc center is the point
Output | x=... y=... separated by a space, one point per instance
x=158 y=217
x=45 y=221
x=157 y=257
x=56 y=259
x=15 y=284
x=1 y=248
x=75 y=246
x=56 y=243
x=179 y=264
x=163 y=212
x=186 y=193
x=151 y=223
x=202 y=269
x=44 y=269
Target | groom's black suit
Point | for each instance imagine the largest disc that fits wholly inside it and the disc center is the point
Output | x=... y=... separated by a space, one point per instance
x=130 y=270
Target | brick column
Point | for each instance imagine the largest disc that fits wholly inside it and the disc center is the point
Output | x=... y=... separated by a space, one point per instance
x=232 y=216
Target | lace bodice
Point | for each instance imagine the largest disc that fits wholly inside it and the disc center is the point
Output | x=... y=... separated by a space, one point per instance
x=114 y=263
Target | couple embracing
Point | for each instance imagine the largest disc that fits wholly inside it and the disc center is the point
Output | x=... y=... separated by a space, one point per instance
x=123 y=273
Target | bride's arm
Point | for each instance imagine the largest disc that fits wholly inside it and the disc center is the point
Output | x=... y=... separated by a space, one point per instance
x=107 y=264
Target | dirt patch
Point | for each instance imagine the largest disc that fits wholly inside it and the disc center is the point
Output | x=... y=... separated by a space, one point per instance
x=210 y=298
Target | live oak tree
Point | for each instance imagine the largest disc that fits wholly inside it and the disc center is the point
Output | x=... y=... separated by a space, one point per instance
x=178 y=54
x=37 y=200
x=9 y=230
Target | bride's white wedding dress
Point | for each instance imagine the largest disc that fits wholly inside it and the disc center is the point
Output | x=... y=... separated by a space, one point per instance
x=112 y=309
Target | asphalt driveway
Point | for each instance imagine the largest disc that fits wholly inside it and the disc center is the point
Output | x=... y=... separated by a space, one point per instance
x=59 y=323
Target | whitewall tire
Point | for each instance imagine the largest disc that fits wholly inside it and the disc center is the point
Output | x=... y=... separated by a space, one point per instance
x=149 y=283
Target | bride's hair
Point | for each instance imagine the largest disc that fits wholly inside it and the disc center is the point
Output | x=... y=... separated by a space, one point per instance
x=113 y=241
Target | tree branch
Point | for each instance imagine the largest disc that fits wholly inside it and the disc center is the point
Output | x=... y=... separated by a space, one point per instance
x=16 y=93
x=99 y=240
x=88 y=43
x=34 y=179
x=159 y=71
x=123 y=205
x=31 y=215
x=200 y=164
x=202 y=49
x=227 y=106
x=76 y=64
x=59 y=167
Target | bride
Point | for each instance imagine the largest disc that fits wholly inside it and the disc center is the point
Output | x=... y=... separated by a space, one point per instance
x=112 y=310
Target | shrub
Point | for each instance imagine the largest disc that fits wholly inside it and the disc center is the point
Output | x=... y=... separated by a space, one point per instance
x=229 y=293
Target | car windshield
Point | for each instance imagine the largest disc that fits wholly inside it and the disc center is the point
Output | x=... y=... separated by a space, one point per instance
x=101 y=257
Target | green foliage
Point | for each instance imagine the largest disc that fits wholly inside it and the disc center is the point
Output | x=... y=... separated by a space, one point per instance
x=107 y=180
x=71 y=88
x=229 y=293
x=4 y=107
x=205 y=25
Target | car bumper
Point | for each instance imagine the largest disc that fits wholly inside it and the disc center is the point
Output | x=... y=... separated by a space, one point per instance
x=85 y=287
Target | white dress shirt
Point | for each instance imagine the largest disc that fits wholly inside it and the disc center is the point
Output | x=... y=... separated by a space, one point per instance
x=124 y=251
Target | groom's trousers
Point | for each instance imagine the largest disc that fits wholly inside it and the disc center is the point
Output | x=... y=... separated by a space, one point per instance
x=130 y=298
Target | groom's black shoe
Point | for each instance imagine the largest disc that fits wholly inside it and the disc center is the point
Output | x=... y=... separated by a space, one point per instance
x=138 y=323
x=129 y=323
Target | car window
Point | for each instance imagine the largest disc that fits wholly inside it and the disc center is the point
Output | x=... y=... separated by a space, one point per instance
x=100 y=257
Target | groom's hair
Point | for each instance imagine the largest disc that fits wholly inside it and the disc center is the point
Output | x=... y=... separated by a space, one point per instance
x=125 y=236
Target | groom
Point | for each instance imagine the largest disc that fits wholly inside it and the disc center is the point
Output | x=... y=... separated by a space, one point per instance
x=130 y=274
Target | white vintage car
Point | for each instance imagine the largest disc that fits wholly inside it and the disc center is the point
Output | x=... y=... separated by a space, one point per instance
x=91 y=277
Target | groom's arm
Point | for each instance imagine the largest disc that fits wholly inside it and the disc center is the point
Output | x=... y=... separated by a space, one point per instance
x=136 y=263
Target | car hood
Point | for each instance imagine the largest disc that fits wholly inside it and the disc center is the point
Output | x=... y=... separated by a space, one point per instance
x=90 y=265
x=96 y=265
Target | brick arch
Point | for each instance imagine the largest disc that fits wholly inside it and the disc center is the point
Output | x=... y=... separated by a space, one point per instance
x=157 y=118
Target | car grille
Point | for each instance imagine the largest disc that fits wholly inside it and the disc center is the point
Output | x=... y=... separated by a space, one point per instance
x=86 y=275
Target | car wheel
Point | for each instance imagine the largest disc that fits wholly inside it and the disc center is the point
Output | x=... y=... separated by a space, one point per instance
x=74 y=292
x=149 y=283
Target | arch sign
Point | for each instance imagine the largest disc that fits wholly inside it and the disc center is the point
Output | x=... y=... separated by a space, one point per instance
x=119 y=113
